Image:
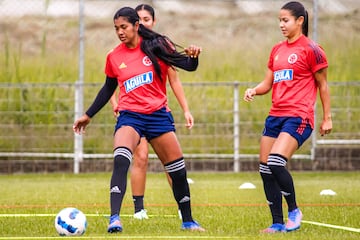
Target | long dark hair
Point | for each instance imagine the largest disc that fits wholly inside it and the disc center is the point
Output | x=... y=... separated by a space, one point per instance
x=298 y=10
x=154 y=45
x=146 y=7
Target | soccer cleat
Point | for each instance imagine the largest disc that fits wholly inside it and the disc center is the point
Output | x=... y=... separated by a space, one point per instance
x=115 y=224
x=192 y=226
x=275 y=228
x=294 y=220
x=141 y=215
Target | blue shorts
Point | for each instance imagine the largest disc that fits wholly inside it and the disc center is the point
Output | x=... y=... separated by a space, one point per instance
x=147 y=125
x=297 y=127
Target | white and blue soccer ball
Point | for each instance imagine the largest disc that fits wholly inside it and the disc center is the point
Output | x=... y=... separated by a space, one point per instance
x=70 y=222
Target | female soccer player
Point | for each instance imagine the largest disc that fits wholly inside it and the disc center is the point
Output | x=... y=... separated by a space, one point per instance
x=140 y=158
x=297 y=67
x=139 y=65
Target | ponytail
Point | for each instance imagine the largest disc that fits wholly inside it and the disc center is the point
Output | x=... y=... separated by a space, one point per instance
x=155 y=45
x=305 y=25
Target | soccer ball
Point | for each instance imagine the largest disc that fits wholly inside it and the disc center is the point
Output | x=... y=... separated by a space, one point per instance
x=70 y=222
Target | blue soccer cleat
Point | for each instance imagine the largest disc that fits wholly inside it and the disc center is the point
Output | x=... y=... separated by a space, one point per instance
x=115 y=224
x=275 y=228
x=192 y=226
x=294 y=220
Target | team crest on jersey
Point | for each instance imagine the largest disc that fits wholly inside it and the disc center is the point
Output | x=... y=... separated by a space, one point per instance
x=146 y=61
x=283 y=75
x=292 y=58
x=137 y=81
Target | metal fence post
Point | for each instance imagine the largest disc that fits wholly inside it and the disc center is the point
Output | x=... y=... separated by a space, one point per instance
x=313 y=137
x=236 y=128
x=78 y=139
x=79 y=92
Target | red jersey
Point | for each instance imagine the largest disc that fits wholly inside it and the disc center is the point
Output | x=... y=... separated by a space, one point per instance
x=141 y=89
x=294 y=89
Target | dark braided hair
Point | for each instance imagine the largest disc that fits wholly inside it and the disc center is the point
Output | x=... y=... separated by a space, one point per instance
x=298 y=10
x=154 y=45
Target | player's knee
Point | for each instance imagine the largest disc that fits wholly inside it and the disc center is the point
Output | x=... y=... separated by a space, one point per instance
x=140 y=164
x=140 y=161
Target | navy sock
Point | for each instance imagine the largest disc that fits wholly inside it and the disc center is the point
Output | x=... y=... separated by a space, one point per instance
x=272 y=193
x=277 y=163
x=122 y=159
x=138 y=203
x=180 y=186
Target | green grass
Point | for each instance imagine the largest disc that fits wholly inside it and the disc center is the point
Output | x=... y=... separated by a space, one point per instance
x=218 y=204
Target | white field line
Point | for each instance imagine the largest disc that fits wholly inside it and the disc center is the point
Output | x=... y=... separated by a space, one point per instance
x=332 y=226
x=54 y=214
x=124 y=237
x=150 y=237
x=106 y=237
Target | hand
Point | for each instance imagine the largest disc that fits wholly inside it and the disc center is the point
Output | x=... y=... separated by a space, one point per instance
x=193 y=51
x=325 y=127
x=116 y=113
x=189 y=120
x=80 y=124
x=249 y=94
x=114 y=107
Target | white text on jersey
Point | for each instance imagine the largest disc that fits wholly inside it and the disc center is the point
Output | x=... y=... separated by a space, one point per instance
x=283 y=75
x=137 y=81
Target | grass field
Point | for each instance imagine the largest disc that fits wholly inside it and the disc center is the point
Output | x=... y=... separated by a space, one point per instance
x=29 y=203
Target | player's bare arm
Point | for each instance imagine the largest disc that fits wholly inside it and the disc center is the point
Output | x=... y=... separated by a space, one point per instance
x=321 y=81
x=261 y=89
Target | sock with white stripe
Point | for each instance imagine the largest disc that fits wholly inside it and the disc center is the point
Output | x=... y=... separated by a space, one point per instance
x=122 y=160
x=180 y=186
x=272 y=193
x=277 y=163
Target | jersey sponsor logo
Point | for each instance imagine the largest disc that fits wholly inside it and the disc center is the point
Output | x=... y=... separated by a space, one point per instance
x=146 y=61
x=292 y=58
x=283 y=75
x=137 y=81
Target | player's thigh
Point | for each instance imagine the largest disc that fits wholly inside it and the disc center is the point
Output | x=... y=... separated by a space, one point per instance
x=167 y=147
x=126 y=136
x=266 y=143
x=285 y=145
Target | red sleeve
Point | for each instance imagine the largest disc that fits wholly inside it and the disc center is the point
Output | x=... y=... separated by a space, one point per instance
x=108 y=67
x=316 y=57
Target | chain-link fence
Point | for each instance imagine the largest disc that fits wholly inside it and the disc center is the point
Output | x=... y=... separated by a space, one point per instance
x=29 y=123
